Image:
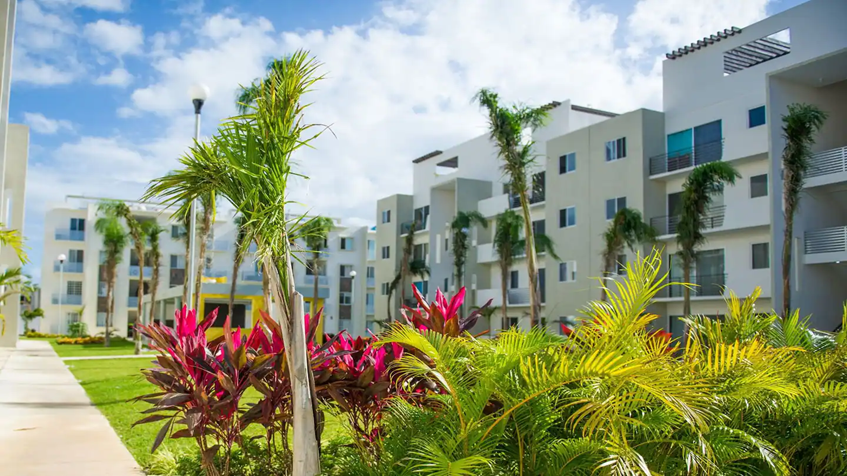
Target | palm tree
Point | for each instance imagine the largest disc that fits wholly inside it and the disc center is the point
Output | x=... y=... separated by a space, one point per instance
x=509 y=244
x=185 y=221
x=625 y=230
x=459 y=228
x=120 y=209
x=799 y=127
x=208 y=204
x=11 y=280
x=249 y=165
x=247 y=95
x=14 y=239
x=702 y=184
x=30 y=315
x=114 y=243
x=152 y=230
x=506 y=128
x=409 y=268
x=315 y=233
x=240 y=249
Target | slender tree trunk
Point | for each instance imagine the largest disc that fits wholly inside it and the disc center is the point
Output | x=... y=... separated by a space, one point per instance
x=236 y=263
x=266 y=293
x=154 y=285
x=531 y=265
x=110 y=308
x=504 y=290
x=198 y=283
x=786 y=261
x=686 y=296
x=607 y=272
x=316 y=268
x=136 y=336
x=388 y=308
x=186 y=270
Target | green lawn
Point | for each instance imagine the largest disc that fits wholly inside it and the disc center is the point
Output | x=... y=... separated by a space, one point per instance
x=111 y=382
x=116 y=347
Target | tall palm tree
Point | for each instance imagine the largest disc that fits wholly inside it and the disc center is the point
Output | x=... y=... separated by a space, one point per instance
x=14 y=239
x=459 y=228
x=702 y=184
x=247 y=95
x=315 y=233
x=121 y=210
x=509 y=244
x=625 y=230
x=409 y=268
x=208 y=204
x=250 y=165
x=799 y=128
x=506 y=128
x=240 y=249
x=114 y=242
x=10 y=280
x=152 y=229
x=185 y=221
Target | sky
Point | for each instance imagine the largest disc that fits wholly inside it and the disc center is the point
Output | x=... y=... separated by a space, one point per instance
x=103 y=83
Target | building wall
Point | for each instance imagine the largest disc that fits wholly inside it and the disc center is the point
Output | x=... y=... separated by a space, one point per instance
x=388 y=234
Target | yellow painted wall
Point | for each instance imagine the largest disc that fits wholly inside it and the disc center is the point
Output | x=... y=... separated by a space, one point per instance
x=256 y=303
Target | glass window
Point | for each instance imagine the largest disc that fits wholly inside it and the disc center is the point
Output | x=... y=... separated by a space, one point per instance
x=178 y=261
x=513 y=280
x=77 y=224
x=616 y=149
x=759 y=186
x=75 y=288
x=386 y=252
x=446 y=285
x=369 y=299
x=621 y=265
x=756 y=117
x=345 y=298
x=613 y=206
x=567 y=271
x=538 y=227
x=177 y=231
x=567 y=163
x=346 y=243
x=371 y=249
x=761 y=256
x=75 y=256
x=344 y=270
x=384 y=288
x=567 y=217
x=386 y=216
x=370 y=272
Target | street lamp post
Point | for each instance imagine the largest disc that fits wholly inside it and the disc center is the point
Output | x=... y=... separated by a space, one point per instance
x=62 y=259
x=198 y=93
x=352 y=295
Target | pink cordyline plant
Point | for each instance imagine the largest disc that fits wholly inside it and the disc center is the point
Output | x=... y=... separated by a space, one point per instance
x=441 y=316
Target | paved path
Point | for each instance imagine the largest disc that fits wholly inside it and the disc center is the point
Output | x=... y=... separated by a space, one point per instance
x=48 y=426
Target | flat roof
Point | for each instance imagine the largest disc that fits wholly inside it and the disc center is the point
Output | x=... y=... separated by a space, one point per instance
x=430 y=155
x=590 y=110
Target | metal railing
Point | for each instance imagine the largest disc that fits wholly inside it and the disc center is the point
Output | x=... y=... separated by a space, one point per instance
x=406 y=226
x=667 y=224
x=70 y=235
x=826 y=240
x=251 y=276
x=74 y=299
x=218 y=245
x=828 y=162
x=134 y=271
x=702 y=285
x=518 y=296
x=132 y=301
x=69 y=267
x=310 y=280
x=683 y=159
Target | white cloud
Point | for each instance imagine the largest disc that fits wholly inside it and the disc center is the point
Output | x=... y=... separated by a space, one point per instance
x=29 y=70
x=43 y=125
x=118 y=38
x=117 y=77
x=99 y=5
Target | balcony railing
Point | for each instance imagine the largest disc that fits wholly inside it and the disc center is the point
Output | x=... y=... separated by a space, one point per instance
x=371 y=282
x=218 y=245
x=369 y=309
x=134 y=271
x=704 y=285
x=70 y=235
x=132 y=301
x=683 y=159
x=826 y=240
x=73 y=299
x=177 y=277
x=406 y=226
x=828 y=162
x=251 y=276
x=667 y=225
x=68 y=267
x=518 y=296
x=310 y=280
x=535 y=196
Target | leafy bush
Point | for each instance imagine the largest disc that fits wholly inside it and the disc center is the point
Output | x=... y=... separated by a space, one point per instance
x=40 y=335
x=78 y=329
x=80 y=340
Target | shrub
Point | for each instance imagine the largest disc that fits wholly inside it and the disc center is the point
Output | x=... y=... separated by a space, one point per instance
x=40 y=335
x=78 y=329
x=80 y=340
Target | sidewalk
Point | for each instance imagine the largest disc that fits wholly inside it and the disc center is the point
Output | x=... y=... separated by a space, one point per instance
x=47 y=423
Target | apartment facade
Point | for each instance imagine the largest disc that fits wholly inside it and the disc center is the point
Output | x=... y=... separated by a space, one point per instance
x=76 y=289
x=14 y=151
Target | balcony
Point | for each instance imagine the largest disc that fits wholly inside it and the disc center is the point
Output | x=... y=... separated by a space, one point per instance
x=369 y=309
x=827 y=167
x=218 y=245
x=68 y=267
x=66 y=234
x=491 y=207
x=826 y=245
x=251 y=276
x=683 y=159
x=706 y=285
x=370 y=282
x=486 y=254
x=135 y=271
x=310 y=280
x=177 y=277
x=101 y=289
x=72 y=299
x=406 y=226
x=518 y=297
x=132 y=301
x=667 y=225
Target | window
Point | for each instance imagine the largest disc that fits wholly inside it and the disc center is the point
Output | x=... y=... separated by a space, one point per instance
x=567 y=163
x=101 y=319
x=621 y=265
x=759 y=186
x=345 y=298
x=446 y=244
x=177 y=232
x=346 y=243
x=369 y=299
x=513 y=280
x=616 y=149
x=310 y=268
x=344 y=270
x=420 y=252
x=386 y=252
x=446 y=285
x=538 y=182
x=370 y=272
x=567 y=217
x=371 y=249
x=423 y=286
x=177 y=261
x=75 y=288
x=510 y=322
x=384 y=288
x=208 y=263
x=386 y=216
x=75 y=256
x=421 y=214
x=77 y=224
x=538 y=227
x=761 y=256
x=613 y=206
x=567 y=271
x=756 y=117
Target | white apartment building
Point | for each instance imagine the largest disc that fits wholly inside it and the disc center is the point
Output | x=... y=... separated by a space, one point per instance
x=14 y=151
x=75 y=290
x=724 y=97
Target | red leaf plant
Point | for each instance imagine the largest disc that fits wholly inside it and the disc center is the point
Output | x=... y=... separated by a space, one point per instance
x=441 y=316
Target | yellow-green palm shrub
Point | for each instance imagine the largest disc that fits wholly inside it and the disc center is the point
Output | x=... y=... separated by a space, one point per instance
x=754 y=394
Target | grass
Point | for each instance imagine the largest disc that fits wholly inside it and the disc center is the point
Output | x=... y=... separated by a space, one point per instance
x=109 y=383
x=118 y=346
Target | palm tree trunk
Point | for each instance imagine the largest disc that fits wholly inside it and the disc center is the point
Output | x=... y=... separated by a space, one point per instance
x=607 y=271
x=236 y=263
x=154 y=285
x=201 y=265
x=504 y=274
x=786 y=261
x=266 y=293
x=136 y=335
x=110 y=308
x=390 y=293
x=186 y=273
x=686 y=290
x=531 y=265
x=316 y=268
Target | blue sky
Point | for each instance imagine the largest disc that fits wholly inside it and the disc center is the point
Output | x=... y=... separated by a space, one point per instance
x=102 y=83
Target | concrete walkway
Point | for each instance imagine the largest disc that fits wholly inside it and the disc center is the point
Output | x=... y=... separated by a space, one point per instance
x=48 y=426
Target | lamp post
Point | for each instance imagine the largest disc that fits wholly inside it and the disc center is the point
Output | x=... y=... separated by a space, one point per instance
x=198 y=93
x=352 y=295
x=62 y=259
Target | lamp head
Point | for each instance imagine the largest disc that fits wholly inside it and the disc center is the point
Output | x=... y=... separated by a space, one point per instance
x=353 y=274
x=198 y=93
x=62 y=258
